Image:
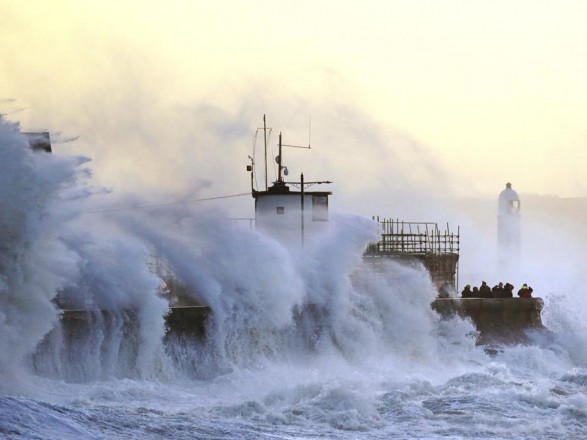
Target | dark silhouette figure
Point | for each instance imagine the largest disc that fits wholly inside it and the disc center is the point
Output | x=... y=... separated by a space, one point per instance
x=508 y=290
x=466 y=293
x=498 y=291
x=485 y=291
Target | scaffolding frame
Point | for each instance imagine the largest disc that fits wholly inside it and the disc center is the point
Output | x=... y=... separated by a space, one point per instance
x=414 y=238
x=420 y=242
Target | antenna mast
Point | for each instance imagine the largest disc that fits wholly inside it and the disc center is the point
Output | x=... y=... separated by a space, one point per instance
x=265 y=138
x=279 y=178
x=280 y=166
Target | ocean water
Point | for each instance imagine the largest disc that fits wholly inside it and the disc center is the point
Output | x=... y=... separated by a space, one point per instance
x=303 y=344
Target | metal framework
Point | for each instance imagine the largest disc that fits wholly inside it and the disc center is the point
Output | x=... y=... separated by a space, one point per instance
x=413 y=238
x=420 y=243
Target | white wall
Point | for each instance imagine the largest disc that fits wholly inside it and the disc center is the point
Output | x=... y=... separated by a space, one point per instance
x=279 y=215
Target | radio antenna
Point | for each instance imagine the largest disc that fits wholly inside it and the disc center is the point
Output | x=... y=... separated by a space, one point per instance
x=265 y=138
x=309 y=138
x=309 y=131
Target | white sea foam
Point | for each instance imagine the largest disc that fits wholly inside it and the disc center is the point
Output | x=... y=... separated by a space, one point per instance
x=303 y=343
x=47 y=246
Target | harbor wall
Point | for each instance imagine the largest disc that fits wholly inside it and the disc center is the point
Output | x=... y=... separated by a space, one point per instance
x=496 y=319
x=506 y=319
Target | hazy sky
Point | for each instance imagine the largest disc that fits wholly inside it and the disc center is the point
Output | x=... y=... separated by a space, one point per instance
x=405 y=97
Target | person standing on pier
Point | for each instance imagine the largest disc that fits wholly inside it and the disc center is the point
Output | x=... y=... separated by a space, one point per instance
x=498 y=291
x=466 y=293
x=508 y=290
x=485 y=291
x=525 y=292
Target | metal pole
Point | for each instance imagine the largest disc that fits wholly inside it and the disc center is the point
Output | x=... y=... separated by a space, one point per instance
x=302 y=192
x=280 y=161
x=265 y=137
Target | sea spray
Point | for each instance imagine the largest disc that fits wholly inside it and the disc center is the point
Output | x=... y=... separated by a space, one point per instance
x=115 y=277
x=33 y=261
x=114 y=320
x=248 y=280
x=566 y=333
x=273 y=302
x=345 y=346
x=268 y=301
x=52 y=253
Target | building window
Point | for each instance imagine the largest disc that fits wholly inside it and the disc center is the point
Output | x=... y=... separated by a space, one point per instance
x=320 y=208
x=280 y=209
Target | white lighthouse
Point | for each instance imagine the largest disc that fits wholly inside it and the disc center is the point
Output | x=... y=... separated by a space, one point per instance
x=509 y=234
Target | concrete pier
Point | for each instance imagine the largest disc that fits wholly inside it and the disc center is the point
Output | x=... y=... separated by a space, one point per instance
x=503 y=320
x=187 y=320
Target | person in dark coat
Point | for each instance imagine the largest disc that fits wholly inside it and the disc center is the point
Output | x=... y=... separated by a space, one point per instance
x=498 y=291
x=466 y=293
x=508 y=290
x=475 y=293
x=485 y=291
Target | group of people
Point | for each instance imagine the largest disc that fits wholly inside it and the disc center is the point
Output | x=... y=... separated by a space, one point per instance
x=500 y=290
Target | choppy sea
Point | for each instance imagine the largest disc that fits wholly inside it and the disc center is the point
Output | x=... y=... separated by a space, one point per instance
x=304 y=344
